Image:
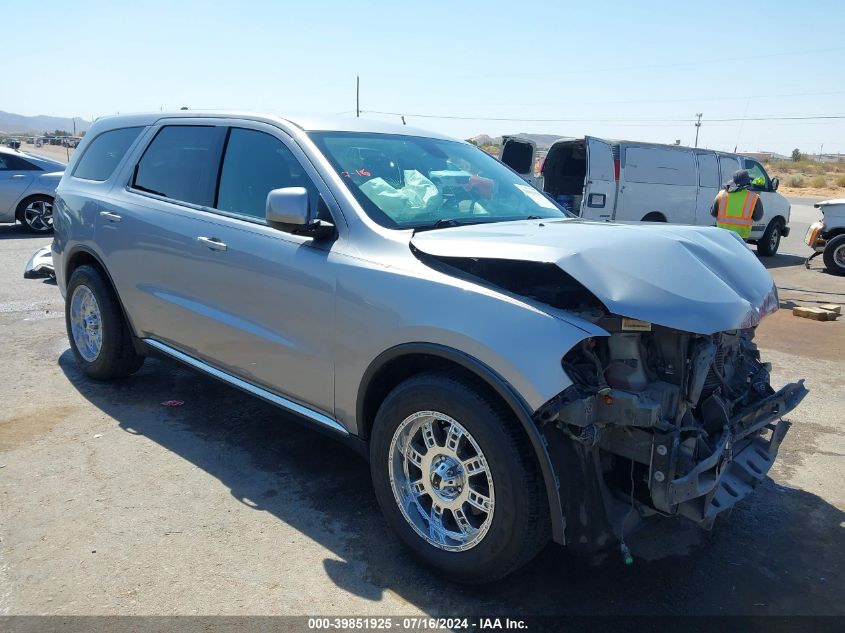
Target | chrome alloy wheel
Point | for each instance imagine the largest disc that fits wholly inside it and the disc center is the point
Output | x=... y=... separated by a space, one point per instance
x=86 y=323
x=38 y=215
x=441 y=481
x=839 y=256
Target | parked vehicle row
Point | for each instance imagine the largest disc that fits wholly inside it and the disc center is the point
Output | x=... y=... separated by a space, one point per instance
x=513 y=373
x=27 y=188
x=626 y=181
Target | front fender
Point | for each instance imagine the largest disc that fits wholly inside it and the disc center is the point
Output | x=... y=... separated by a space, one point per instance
x=381 y=308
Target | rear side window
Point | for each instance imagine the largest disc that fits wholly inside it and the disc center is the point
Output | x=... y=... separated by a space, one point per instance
x=181 y=163
x=8 y=162
x=659 y=166
x=708 y=171
x=104 y=153
x=255 y=163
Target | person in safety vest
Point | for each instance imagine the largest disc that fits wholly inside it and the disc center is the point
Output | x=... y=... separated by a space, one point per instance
x=736 y=207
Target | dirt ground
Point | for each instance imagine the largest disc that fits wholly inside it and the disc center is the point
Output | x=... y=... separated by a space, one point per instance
x=823 y=193
x=113 y=504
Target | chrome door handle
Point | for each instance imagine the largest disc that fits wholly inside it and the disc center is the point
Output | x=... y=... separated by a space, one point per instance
x=111 y=217
x=213 y=243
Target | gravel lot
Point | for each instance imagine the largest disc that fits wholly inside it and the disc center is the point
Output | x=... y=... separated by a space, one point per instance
x=114 y=504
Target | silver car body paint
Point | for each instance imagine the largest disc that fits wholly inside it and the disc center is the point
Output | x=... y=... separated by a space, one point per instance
x=697 y=279
x=369 y=280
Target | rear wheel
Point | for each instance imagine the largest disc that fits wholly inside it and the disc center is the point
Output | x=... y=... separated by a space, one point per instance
x=455 y=478
x=834 y=255
x=654 y=216
x=770 y=242
x=96 y=328
x=36 y=214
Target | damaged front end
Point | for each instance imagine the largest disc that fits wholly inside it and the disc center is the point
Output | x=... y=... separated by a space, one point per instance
x=662 y=421
x=670 y=410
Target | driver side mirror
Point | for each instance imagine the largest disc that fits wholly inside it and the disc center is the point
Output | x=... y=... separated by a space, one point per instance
x=775 y=183
x=288 y=209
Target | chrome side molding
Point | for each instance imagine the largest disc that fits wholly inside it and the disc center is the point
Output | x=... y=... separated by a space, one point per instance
x=243 y=385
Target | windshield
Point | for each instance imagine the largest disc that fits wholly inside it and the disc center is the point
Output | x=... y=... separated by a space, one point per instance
x=416 y=182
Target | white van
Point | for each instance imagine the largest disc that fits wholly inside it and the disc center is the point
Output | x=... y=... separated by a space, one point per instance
x=625 y=181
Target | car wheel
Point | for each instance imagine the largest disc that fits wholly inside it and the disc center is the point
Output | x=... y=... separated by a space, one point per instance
x=36 y=214
x=456 y=479
x=770 y=242
x=96 y=328
x=834 y=255
x=654 y=216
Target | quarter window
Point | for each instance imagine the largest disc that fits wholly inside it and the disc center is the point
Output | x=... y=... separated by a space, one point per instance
x=255 y=163
x=181 y=163
x=104 y=153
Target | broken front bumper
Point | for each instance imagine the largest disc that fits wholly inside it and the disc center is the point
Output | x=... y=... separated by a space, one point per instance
x=744 y=455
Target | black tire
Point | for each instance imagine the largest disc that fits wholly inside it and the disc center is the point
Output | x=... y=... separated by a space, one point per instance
x=654 y=216
x=768 y=245
x=835 y=250
x=117 y=357
x=520 y=526
x=41 y=222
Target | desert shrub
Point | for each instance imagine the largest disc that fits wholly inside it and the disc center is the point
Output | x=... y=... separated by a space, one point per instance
x=840 y=181
x=818 y=182
x=795 y=181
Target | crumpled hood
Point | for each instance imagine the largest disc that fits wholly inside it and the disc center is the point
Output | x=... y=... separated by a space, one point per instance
x=696 y=279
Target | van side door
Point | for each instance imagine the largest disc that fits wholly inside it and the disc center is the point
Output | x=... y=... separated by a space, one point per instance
x=658 y=184
x=708 y=187
x=599 y=199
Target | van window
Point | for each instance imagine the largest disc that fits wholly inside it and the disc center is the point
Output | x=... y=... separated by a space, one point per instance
x=755 y=170
x=255 y=163
x=517 y=155
x=104 y=153
x=728 y=165
x=181 y=163
x=708 y=171
x=659 y=166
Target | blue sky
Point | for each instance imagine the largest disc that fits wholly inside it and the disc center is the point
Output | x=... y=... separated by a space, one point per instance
x=616 y=69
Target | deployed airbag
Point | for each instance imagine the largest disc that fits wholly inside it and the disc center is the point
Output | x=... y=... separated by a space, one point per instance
x=417 y=193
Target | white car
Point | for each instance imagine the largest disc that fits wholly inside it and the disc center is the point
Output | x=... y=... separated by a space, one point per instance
x=27 y=188
x=625 y=181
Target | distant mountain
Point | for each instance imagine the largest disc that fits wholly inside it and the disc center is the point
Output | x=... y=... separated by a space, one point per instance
x=13 y=123
x=543 y=141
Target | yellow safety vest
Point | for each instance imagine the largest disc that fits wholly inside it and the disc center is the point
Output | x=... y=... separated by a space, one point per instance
x=735 y=209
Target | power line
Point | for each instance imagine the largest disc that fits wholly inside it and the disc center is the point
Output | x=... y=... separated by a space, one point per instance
x=813 y=117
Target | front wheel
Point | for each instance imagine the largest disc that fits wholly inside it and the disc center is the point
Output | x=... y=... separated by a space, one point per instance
x=834 y=255
x=770 y=242
x=456 y=479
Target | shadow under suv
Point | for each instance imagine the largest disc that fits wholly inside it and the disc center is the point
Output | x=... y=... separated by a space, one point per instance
x=514 y=374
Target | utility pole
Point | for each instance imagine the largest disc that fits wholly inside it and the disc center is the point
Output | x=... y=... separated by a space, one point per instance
x=357 y=96
x=697 y=127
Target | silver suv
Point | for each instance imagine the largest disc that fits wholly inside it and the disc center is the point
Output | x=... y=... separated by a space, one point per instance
x=513 y=374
